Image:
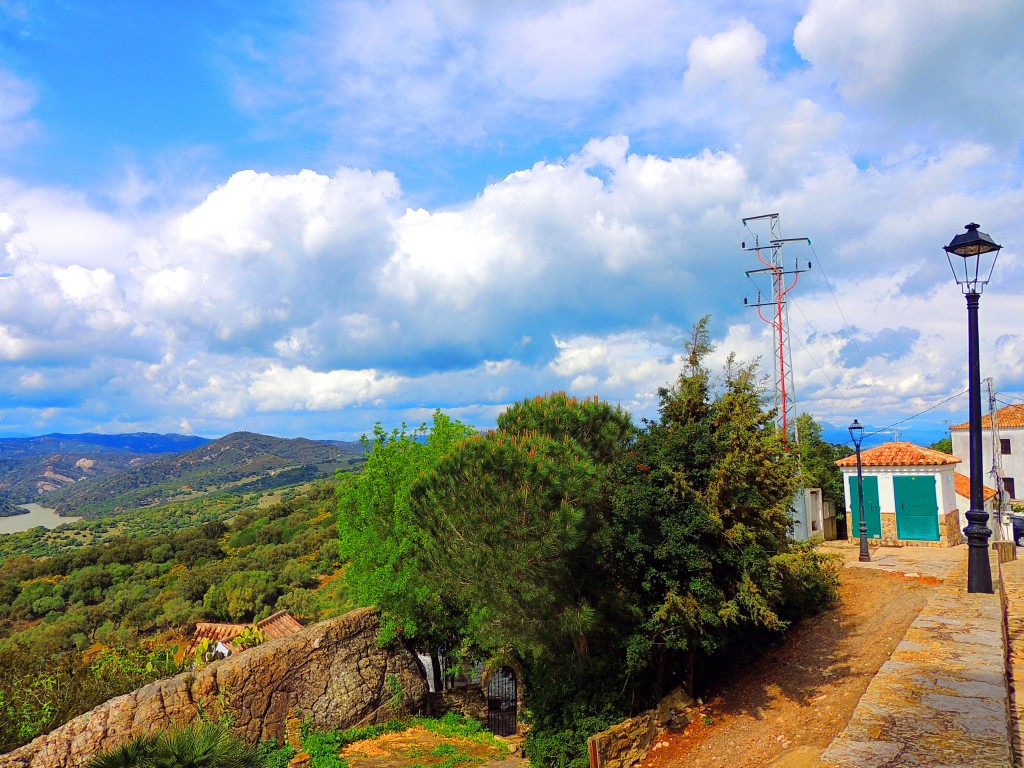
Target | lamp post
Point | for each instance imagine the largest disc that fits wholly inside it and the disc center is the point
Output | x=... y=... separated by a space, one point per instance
x=857 y=434
x=972 y=273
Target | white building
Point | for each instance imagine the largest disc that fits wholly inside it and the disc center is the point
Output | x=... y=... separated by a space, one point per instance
x=963 y=503
x=909 y=495
x=1010 y=436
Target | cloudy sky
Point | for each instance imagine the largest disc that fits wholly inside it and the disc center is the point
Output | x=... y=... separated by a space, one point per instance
x=302 y=218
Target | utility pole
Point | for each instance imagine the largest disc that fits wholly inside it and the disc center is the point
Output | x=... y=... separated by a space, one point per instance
x=783 y=281
x=997 y=458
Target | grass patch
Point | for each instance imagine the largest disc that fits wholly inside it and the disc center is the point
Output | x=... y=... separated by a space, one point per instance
x=453 y=741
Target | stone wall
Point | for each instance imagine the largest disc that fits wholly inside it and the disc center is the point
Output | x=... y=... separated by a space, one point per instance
x=468 y=700
x=950 y=534
x=949 y=529
x=622 y=745
x=332 y=673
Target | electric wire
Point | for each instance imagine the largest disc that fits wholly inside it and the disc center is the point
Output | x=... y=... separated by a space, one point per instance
x=821 y=368
x=815 y=330
x=909 y=418
x=849 y=330
x=1001 y=395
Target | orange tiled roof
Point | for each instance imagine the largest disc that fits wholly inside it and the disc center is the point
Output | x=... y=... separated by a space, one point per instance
x=280 y=624
x=899 y=455
x=963 y=487
x=1008 y=416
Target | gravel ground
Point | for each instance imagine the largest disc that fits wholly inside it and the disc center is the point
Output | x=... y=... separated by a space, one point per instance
x=784 y=709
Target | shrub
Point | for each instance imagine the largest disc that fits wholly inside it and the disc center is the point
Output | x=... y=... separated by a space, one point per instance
x=199 y=745
x=807 y=580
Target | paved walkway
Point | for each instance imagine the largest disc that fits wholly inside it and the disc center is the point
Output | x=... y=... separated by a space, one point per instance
x=1013 y=585
x=942 y=698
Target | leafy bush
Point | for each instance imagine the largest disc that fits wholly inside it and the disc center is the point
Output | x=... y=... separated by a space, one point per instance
x=37 y=695
x=807 y=580
x=323 y=749
x=274 y=756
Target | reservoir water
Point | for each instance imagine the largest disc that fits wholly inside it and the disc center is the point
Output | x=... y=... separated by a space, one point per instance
x=37 y=515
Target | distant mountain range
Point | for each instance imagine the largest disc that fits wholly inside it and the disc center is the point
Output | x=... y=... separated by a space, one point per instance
x=91 y=442
x=92 y=475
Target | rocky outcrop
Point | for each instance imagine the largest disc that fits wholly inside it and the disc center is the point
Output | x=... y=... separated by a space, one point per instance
x=332 y=673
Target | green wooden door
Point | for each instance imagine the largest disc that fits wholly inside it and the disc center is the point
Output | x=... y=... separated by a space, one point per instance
x=917 y=512
x=872 y=509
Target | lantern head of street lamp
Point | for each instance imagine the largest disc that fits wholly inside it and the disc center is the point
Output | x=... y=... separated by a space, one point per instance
x=856 y=433
x=973 y=266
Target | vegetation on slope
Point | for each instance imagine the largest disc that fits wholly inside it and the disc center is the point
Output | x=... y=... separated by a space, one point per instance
x=240 y=462
x=30 y=466
x=86 y=623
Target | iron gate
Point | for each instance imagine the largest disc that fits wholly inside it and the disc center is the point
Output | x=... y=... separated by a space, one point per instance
x=501 y=703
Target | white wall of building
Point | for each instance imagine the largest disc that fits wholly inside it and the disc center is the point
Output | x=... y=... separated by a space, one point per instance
x=945 y=486
x=1012 y=463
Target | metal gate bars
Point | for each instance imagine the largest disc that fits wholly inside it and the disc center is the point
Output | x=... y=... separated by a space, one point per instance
x=501 y=703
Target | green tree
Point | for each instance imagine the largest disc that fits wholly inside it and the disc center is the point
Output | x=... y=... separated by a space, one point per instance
x=513 y=521
x=818 y=461
x=945 y=445
x=701 y=510
x=242 y=596
x=381 y=539
x=509 y=530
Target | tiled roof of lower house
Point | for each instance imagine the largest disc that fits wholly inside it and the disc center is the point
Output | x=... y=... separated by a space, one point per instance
x=280 y=624
x=1008 y=416
x=899 y=455
x=963 y=487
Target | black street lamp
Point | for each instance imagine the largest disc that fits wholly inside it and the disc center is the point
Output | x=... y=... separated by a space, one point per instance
x=972 y=273
x=857 y=434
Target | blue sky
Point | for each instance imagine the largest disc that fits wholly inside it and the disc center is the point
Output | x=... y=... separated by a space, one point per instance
x=300 y=219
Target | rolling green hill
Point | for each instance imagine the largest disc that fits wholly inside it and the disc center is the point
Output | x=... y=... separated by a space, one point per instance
x=241 y=462
x=33 y=466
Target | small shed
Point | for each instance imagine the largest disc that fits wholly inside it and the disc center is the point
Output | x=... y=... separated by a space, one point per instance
x=812 y=516
x=909 y=495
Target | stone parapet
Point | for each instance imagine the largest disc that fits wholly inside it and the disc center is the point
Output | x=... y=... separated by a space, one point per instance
x=627 y=742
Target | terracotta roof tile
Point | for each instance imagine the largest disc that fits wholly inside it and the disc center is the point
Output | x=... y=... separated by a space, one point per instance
x=1009 y=416
x=899 y=455
x=280 y=624
x=963 y=487
x=206 y=630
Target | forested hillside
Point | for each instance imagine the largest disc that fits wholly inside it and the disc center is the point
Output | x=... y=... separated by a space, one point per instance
x=241 y=462
x=32 y=466
x=88 y=622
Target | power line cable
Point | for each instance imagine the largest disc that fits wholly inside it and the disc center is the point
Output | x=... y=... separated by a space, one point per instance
x=815 y=330
x=921 y=413
x=820 y=366
x=849 y=330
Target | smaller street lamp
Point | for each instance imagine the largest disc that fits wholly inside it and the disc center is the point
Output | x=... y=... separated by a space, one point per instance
x=976 y=255
x=857 y=434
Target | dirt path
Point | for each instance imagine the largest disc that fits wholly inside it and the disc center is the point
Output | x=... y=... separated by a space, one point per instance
x=792 y=702
x=419 y=747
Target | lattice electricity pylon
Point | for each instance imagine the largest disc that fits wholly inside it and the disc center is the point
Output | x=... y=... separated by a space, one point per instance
x=775 y=267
